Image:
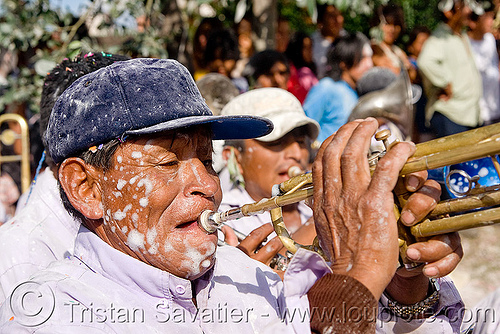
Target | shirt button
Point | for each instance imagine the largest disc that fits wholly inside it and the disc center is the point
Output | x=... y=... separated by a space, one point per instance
x=180 y=289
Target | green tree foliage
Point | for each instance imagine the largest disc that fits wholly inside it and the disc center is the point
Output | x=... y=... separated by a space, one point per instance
x=43 y=35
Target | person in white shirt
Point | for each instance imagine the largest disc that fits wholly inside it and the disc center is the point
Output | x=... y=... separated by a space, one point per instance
x=42 y=231
x=133 y=146
x=484 y=49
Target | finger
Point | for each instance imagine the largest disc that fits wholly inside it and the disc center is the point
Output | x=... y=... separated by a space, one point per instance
x=229 y=236
x=280 y=273
x=339 y=138
x=421 y=203
x=443 y=266
x=415 y=181
x=355 y=169
x=250 y=244
x=268 y=251
x=436 y=248
x=387 y=170
x=326 y=168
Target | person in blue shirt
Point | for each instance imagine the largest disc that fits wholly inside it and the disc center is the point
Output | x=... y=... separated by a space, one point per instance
x=331 y=100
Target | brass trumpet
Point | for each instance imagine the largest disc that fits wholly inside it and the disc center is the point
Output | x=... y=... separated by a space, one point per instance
x=8 y=137
x=454 y=149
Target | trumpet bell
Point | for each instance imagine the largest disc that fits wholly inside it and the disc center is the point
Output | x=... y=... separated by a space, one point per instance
x=394 y=103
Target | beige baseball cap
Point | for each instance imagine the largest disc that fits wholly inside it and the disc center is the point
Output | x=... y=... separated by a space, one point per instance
x=275 y=104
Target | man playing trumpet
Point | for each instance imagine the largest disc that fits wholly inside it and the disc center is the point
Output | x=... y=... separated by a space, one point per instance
x=255 y=165
x=133 y=146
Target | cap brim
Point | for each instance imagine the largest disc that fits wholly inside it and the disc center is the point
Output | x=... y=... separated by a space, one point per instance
x=223 y=127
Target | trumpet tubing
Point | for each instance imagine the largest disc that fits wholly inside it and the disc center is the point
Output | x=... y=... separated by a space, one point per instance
x=458 y=148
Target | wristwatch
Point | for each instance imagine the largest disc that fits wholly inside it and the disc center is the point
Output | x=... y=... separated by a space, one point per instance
x=418 y=309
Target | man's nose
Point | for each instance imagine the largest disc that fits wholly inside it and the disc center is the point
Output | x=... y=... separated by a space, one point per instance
x=199 y=180
x=294 y=151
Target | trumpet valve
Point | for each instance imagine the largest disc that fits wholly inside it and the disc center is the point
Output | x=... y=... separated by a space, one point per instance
x=383 y=136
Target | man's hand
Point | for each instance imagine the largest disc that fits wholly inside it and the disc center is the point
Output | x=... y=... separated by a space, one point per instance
x=252 y=244
x=441 y=254
x=354 y=211
x=445 y=93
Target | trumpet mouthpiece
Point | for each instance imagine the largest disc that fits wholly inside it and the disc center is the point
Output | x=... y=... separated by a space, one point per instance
x=209 y=221
x=294 y=171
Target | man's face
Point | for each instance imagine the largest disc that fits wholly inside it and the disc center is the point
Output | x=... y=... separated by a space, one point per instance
x=307 y=50
x=277 y=77
x=152 y=197
x=391 y=33
x=416 y=47
x=356 y=72
x=265 y=164
x=485 y=22
x=224 y=67
x=459 y=15
x=333 y=22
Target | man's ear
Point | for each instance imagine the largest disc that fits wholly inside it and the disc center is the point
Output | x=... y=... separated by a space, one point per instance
x=81 y=184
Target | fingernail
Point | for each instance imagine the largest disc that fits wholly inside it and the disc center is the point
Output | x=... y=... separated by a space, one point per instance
x=407 y=217
x=413 y=254
x=412 y=183
x=431 y=271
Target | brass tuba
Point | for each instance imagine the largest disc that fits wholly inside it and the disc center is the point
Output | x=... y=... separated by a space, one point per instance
x=8 y=138
x=394 y=103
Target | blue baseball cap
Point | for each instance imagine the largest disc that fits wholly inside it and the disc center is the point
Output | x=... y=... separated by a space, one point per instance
x=136 y=97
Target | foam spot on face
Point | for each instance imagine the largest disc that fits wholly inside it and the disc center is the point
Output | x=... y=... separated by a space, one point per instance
x=119 y=159
x=151 y=238
x=135 y=240
x=195 y=257
x=147 y=184
x=132 y=180
x=195 y=172
x=148 y=145
x=143 y=202
x=119 y=215
x=120 y=184
x=136 y=155
x=135 y=219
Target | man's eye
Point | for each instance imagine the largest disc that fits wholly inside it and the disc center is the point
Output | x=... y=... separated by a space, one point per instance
x=170 y=163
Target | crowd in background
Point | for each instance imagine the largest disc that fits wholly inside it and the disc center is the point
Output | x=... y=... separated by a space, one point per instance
x=309 y=85
x=322 y=71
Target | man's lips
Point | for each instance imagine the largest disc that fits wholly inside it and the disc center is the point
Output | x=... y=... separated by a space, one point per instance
x=188 y=225
x=290 y=171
